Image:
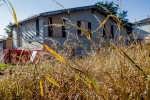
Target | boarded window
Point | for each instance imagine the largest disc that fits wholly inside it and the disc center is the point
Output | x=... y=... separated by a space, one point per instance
x=108 y=31
x=84 y=25
x=57 y=31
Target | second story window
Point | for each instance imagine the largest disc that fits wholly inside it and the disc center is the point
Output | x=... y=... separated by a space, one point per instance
x=108 y=31
x=37 y=27
x=56 y=30
x=84 y=25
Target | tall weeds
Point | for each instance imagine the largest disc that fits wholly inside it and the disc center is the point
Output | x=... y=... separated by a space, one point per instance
x=110 y=72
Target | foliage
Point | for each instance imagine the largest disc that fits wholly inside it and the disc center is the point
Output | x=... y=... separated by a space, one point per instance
x=113 y=9
x=123 y=15
x=109 y=6
x=8 y=29
x=2 y=65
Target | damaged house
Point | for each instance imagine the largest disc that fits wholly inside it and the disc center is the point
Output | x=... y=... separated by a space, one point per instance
x=38 y=28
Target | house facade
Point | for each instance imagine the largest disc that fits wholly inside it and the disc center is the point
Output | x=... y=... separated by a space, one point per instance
x=142 y=29
x=59 y=25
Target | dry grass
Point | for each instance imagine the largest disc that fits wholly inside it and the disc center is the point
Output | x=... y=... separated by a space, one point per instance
x=113 y=73
x=108 y=73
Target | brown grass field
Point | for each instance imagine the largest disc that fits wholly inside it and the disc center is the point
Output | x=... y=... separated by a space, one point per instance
x=115 y=76
x=113 y=72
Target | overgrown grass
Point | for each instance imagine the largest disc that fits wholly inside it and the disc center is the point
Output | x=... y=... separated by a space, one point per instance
x=107 y=73
x=115 y=76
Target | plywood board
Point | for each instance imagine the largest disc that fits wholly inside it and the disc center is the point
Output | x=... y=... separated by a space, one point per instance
x=108 y=31
x=84 y=25
x=57 y=31
x=9 y=43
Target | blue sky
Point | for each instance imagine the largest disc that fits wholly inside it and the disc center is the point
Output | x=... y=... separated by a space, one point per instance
x=137 y=9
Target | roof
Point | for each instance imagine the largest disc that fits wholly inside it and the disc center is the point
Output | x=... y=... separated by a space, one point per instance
x=146 y=20
x=95 y=7
x=64 y=11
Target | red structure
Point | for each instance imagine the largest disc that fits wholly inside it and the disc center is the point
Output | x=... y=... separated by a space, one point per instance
x=21 y=56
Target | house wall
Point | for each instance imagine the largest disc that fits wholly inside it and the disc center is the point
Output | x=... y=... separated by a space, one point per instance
x=79 y=16
x=15 y=36
x=116 y=31
x=28 y=35
x=142 y=29
x=27 y=30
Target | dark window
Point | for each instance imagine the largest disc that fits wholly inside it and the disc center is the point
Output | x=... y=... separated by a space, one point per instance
x=37 y=27
x=92 y=11
x=89 y=27
x=85 y=25
x=50 y=31
x=79 y=25
x=104 y=33
x=112 y=31
x=64 y=29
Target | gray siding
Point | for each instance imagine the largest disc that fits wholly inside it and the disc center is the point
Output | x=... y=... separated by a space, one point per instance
x=15 y=36
x=28 y=34
x=142 y=29
x=28 y=29
x=88 y=16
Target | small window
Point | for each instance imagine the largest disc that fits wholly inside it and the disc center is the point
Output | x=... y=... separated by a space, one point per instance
x=50 y=31
x=79 y=25
x=89 y=27
x=56 y=31
x=37 y=27
x=84 y=25
x=64 y=29
x=92 y=11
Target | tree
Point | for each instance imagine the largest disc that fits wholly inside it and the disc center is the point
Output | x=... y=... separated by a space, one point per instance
x=109 y=6
x=113 y=9
x=8 y=29
x=123 y=15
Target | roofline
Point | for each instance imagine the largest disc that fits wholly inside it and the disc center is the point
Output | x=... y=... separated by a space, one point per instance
x=146 y=20
x=75 y=9
x=63 y=11
x=56 y=12
x=140 y=22
x=29 y=18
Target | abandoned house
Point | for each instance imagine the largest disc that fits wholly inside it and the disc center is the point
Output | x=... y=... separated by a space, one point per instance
x=39 y=27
